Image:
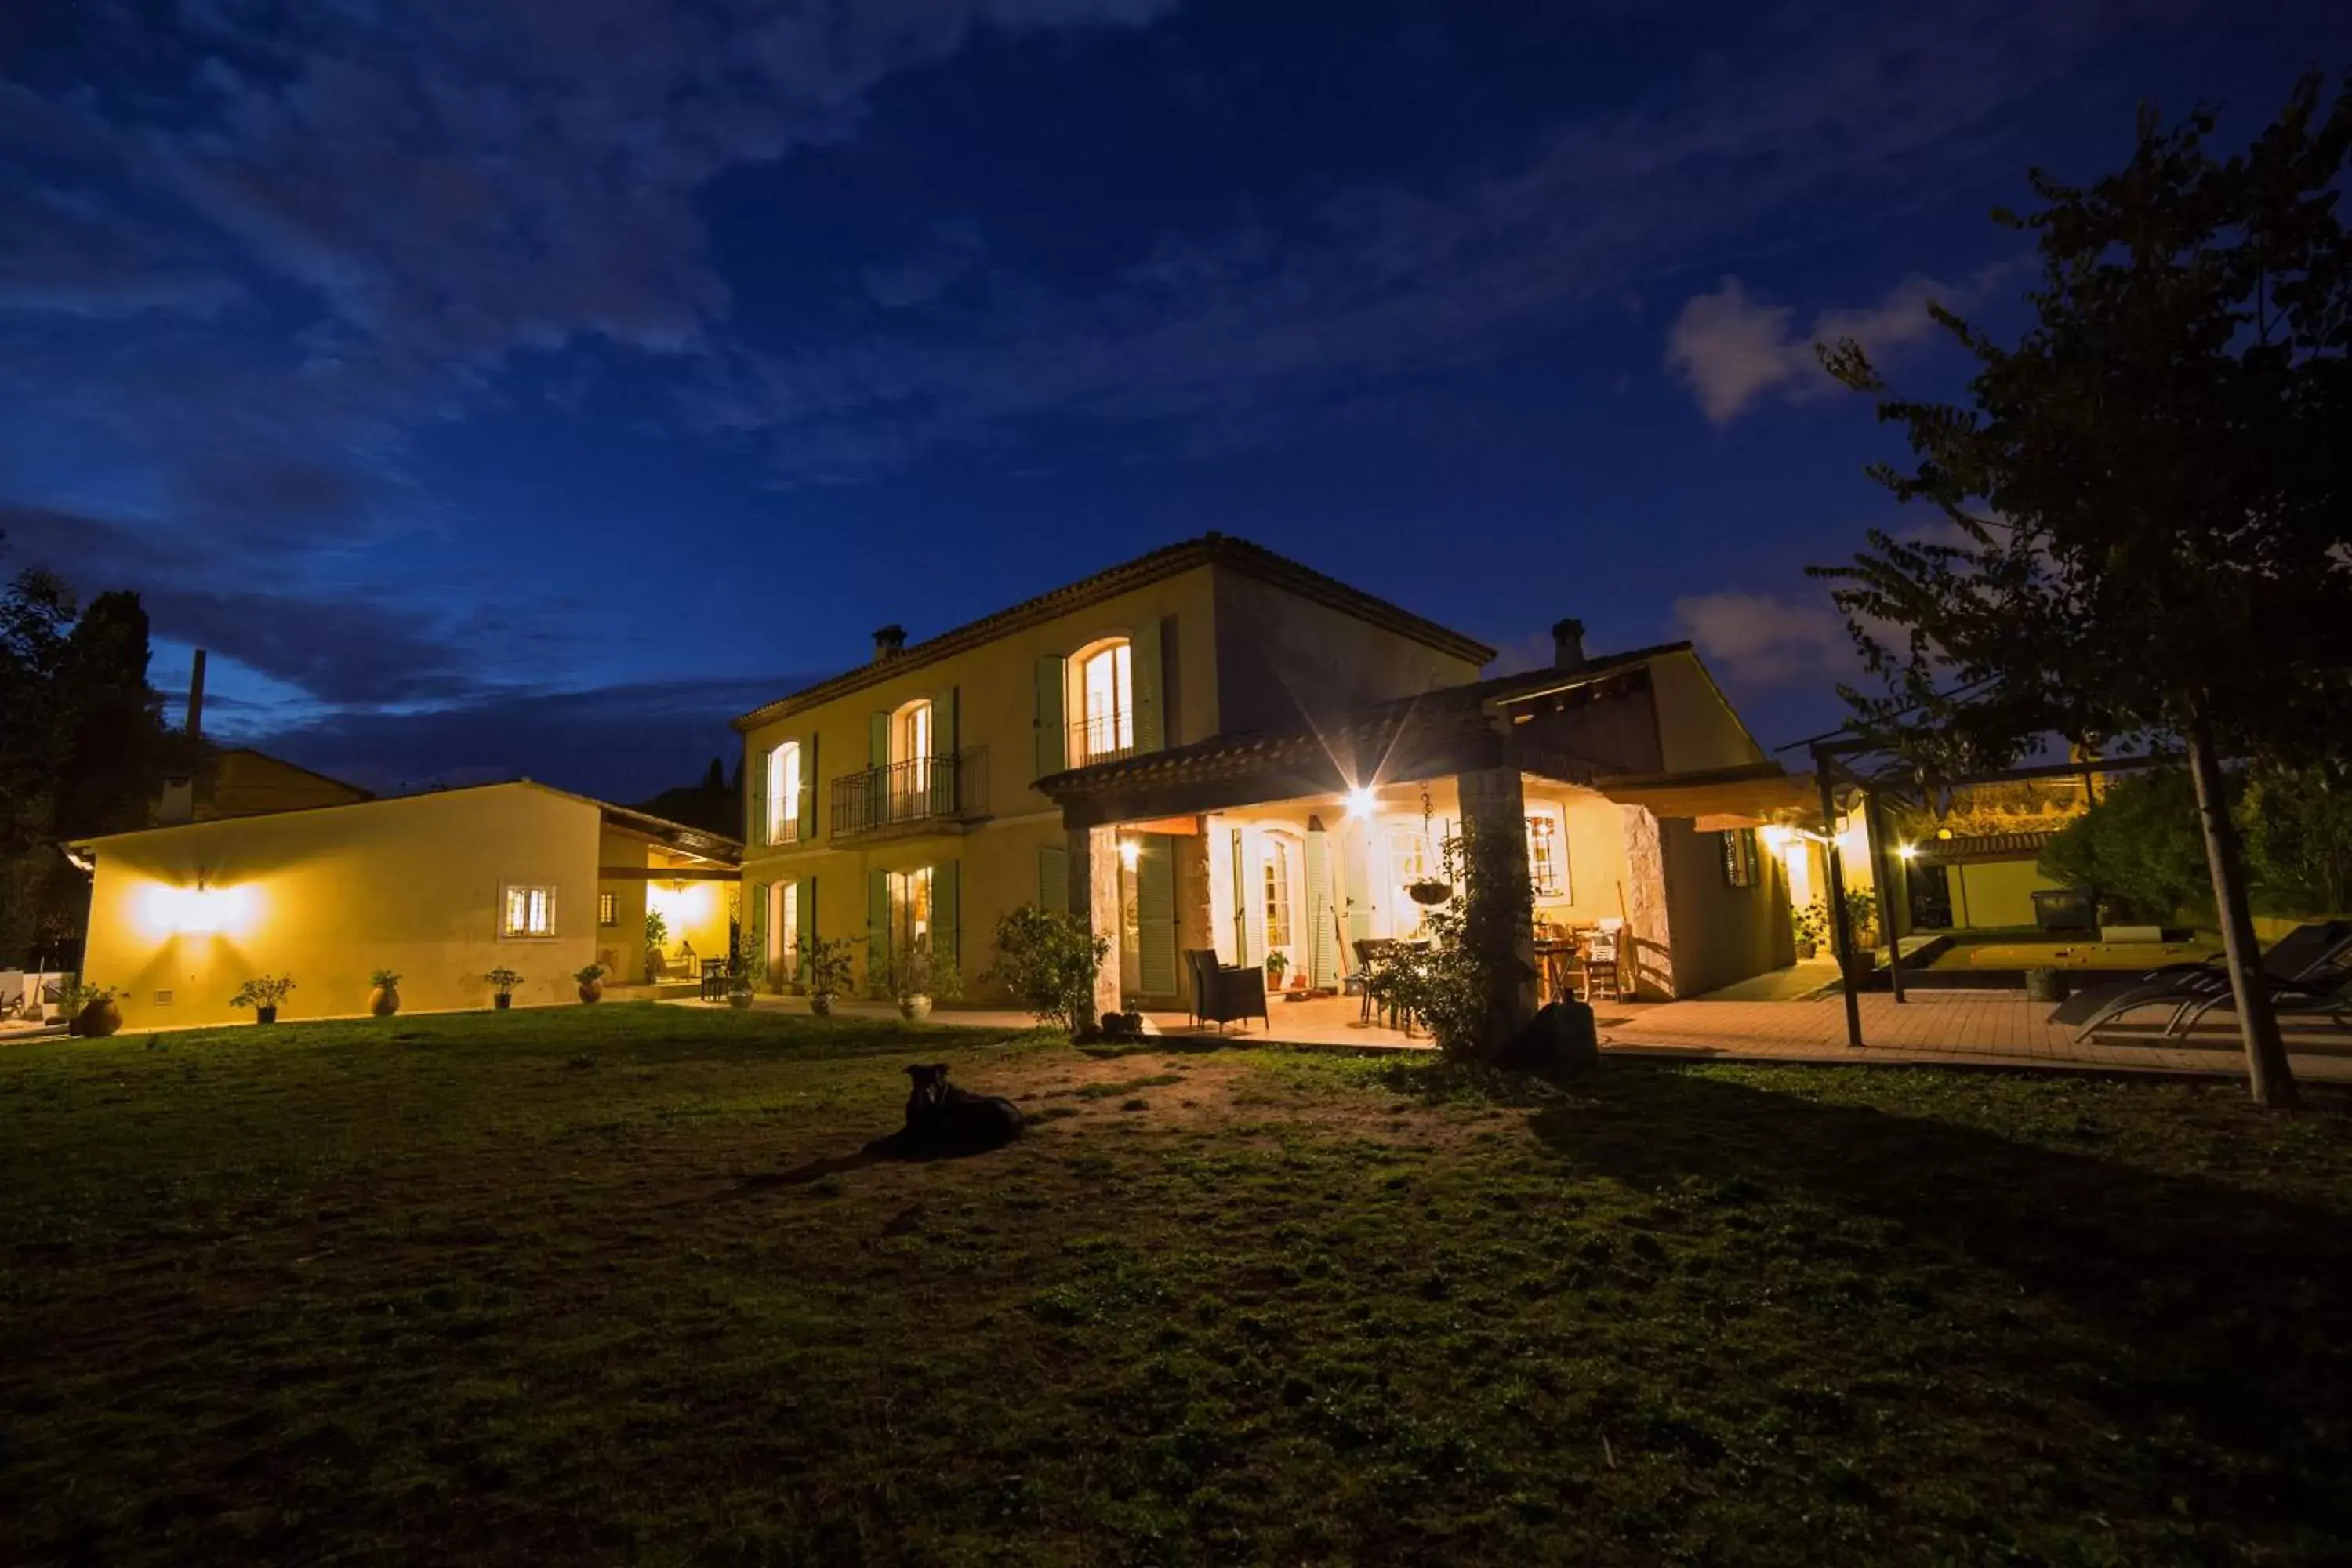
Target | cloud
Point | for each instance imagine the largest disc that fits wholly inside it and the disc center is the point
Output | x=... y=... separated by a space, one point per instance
x=1733 y=351
x=1758 y=641
x=557 y=736
x=1279 y=323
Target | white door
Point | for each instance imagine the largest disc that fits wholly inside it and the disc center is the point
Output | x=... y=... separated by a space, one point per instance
x=1280 y=890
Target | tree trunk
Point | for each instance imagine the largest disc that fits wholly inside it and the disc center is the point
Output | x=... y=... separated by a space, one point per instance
x=2267 y=1072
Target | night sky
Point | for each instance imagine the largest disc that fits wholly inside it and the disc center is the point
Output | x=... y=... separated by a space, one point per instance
x=528 y=386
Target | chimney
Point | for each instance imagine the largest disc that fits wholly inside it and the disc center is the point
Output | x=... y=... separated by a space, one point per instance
x=178 y=803
x=889 y=643
x=1568 y=644
x=196 y=725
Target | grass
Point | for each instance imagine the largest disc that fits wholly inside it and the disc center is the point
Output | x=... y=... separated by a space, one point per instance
x=616 y=1284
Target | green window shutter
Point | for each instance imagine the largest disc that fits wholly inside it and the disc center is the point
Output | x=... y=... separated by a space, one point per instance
x=1155 y=907
x=1355 y=864
x=1322 y=924
x=755 y=807
x=756 y=895
x=1053 y=878
x=805 y=807
x=807 y=914
x=877 y=740
x=1249 y=910
x=946 y=926
x=877 y=931
x=1144 y=671
x=943 y=722
x=1052 y=729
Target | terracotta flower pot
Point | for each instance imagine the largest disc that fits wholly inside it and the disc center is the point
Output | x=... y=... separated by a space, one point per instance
x=385 y=1001
x=265 y=1015
x=592 y=991
x=96 y=1019
x=821 y=1003
x=739 y=999
x=502 y=1000
x=914 y=1009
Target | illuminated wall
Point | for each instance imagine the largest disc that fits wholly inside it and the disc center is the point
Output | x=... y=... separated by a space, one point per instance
x=180 y=916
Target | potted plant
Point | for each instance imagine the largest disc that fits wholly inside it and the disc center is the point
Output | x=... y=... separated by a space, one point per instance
x=829 y=971
x=656 y=933
x=917 y=981
x=1813 y=922
x=503 y=983
x=740 y=983
x=592 y=982
x=1275 y=963
x=91 y=1010
x=385 y=1000
x=263 y=995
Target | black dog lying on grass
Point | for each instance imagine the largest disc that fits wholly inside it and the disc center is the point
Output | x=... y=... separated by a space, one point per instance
x=944 y=1119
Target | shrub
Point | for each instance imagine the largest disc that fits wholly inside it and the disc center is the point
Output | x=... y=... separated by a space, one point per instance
x=916 y=973
x=1048 y=961
x=2299 y=839
x=1449 y=986
x=503 y=981
x=386 y=978
x=826 y=960
x=589 y=975
x=267 y=991
x=2139 y=851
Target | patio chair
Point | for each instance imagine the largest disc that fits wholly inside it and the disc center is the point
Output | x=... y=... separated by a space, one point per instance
x=714 y=980
x=2301 y=957
x=1223 y=993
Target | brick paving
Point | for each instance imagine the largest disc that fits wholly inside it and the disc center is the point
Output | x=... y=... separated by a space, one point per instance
x=1951 y=1027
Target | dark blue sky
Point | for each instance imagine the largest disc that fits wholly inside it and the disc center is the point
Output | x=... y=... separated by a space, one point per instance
x=528 y=386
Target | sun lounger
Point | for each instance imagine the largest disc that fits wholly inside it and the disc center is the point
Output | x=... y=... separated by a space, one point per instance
x=2305 y=955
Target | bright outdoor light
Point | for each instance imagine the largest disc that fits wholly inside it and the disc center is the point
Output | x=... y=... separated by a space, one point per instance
x=1907 y=850
x=1129 y=852
x=196 y=911
x=1362 y=800
x=1775 y=836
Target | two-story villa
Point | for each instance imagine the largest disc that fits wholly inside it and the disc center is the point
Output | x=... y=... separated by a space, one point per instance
x=1214 y=747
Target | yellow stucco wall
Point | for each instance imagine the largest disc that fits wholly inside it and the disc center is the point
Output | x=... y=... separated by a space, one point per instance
x=1995 y=892
x=328 y=896
x=1698 y=729
x=696 y=910
x=995 y=690
x=1596 y=856
x=1284 y=659
x=1232 y=650
x=1721 y=934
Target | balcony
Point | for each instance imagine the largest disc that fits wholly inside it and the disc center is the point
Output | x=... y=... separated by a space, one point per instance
x=922 y=792
x=1105 y=738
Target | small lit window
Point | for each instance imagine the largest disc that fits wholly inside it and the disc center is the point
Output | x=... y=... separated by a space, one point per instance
x=1546 y=855
x=530 y=911
x=1739 y=857
x=1277 y=867
x=608 y=909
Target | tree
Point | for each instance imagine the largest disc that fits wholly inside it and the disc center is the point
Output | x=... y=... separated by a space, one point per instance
x=2138 y=850
x=2147 y=498
x=2299 y=839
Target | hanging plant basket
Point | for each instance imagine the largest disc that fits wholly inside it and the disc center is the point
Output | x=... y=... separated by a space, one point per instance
x=1429 y=891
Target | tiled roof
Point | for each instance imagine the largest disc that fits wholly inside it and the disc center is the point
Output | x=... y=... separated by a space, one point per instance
x=1416 y=725
x=1223 y=549
x=1964 y=849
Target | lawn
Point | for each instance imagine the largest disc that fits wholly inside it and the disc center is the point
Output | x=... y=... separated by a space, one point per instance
x=613 y=1284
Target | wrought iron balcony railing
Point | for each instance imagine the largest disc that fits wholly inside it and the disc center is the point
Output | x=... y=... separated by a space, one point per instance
x=921 y=789
x=1105 y=738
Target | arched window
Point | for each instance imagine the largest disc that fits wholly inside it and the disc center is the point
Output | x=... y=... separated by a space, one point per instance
x=1104 y=682
x=784 y=793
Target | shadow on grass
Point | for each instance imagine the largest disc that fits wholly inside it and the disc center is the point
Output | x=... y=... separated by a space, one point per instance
x=2218 y=1306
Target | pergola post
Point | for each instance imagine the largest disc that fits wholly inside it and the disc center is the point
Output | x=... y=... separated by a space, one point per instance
x=1094 y=898
x=1884 y=867
x=1841 y=929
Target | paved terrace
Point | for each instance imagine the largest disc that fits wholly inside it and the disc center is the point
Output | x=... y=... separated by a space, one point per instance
x=1955 y=1028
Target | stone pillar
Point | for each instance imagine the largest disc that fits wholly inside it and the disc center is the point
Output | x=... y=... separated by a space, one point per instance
x=1195 y=916
x=1649 y=926
x=1094 y=898
x=1498 y=916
